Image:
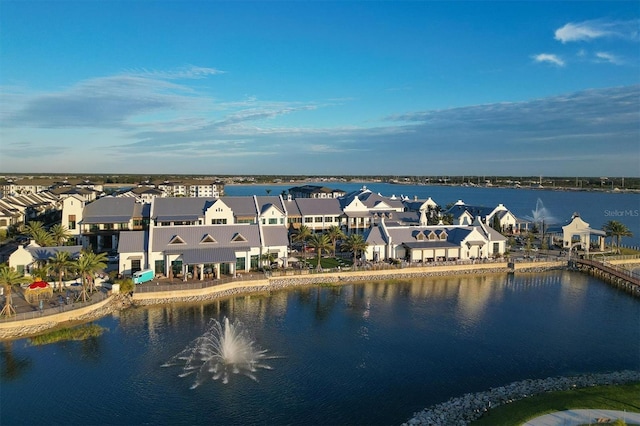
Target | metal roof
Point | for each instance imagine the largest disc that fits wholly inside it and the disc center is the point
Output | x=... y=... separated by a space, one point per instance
x=193 y=236
x=133 y=241
x=44 y=253
x=106 y=219
x=210 y=255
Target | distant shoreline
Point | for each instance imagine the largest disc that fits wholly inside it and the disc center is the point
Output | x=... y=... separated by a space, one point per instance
x=525 y=188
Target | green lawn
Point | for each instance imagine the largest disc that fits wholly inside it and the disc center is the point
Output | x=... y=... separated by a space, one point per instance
x=623 y=397
x=329 y=262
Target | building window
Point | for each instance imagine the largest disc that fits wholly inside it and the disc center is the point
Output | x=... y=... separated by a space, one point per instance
x=165 y=223
x=72 y=221
x=308 y=220
x=318 y=220
x=273 y=221
x=240 y=262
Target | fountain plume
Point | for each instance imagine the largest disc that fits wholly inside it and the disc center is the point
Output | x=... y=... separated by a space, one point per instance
x=541 y=214
x=222 y=351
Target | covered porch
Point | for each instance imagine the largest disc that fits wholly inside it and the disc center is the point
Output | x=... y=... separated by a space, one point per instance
x=198 y=264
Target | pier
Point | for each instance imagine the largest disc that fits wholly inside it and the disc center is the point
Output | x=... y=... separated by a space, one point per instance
x=619 y=277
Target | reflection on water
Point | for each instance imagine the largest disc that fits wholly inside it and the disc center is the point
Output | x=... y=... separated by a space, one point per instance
x=362 y=353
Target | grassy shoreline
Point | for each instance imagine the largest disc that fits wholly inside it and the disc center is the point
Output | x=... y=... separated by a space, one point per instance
x=611 y=397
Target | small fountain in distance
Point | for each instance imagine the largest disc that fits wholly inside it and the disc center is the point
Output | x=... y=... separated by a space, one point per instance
x=541 y=215
x=223 y=350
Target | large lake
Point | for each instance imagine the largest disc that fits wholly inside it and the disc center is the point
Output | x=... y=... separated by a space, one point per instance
x=367 y=353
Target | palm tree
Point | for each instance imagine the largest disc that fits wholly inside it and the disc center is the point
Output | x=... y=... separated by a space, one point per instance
x=35 y=230
x=335 y=233
x=302 y=235
x=61 y=263
x=59 y=234
x=355 y=243
x=267 y=258
x=87 y=265
x=617 y=230
x=8 y=278
x=320 y=242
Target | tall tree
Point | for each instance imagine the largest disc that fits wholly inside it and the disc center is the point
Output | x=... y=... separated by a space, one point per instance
x=320 y=242
x=617 y=230
x=8 y=278
x=87 y=265
x=302 y=235
x=356 y=244
x=267 y=258
x=335 y=233
x=59 y=234
x=36 y=231
x=61 y=263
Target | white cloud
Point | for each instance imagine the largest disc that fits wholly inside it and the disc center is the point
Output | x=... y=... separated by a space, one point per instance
x=591 y=30
x=550 y=58
x=190 y=72
x=608 y=57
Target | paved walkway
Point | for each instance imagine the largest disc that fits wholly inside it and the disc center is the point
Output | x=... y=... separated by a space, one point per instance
x=581 y=417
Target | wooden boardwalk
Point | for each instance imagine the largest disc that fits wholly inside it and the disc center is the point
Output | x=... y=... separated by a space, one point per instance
x=615 y=275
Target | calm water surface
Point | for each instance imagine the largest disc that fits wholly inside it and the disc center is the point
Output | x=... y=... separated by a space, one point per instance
x=369 y=353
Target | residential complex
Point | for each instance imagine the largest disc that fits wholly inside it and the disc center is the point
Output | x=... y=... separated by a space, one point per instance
x=213 y=236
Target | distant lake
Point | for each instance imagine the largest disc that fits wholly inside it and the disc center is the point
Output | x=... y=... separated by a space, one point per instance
x=367 y=353
x=595 y=208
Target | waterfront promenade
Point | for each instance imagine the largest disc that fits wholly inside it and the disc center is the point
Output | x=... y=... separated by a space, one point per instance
x=29 y=321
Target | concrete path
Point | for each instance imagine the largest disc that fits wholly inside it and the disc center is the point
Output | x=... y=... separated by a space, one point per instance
x=581 y=417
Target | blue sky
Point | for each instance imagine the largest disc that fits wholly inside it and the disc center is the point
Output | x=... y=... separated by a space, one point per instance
x=320 y=88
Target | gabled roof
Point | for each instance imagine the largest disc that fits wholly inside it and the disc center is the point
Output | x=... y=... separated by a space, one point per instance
x=458 y=209
x=171 y=209
x=193 y=235
x=372 y=200
x=133 y=242
x=275 y=236
x=318 y=206
x=406 y=234
x=44 y=253
x=242 y=206
x=273 y=200
x=110 y=210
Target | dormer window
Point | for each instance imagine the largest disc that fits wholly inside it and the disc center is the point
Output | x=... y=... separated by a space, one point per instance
x=443 y=235
x=239 y=238
x=207 y=239
x=177 y=240
x=432 y=236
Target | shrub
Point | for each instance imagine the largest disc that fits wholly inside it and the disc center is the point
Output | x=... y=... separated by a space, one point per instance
x=126 y=285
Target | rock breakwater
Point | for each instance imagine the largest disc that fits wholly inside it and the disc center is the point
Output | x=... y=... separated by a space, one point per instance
x=472 y=406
